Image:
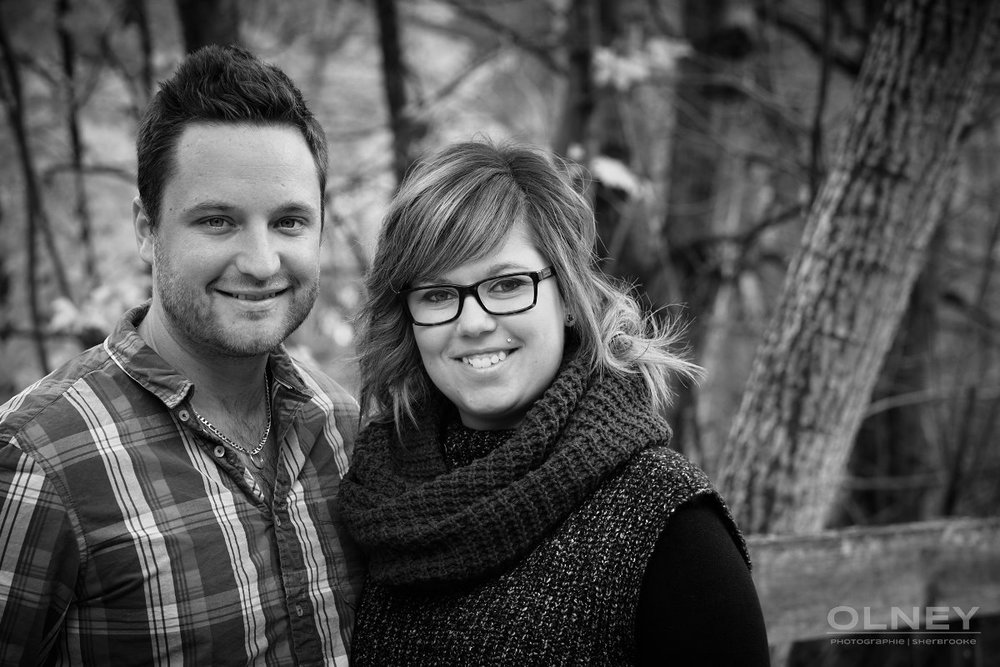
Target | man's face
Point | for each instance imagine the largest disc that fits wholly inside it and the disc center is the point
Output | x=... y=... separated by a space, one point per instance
x=235 y=253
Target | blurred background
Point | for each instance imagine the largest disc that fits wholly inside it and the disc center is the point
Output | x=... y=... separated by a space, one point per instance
x=728 y=146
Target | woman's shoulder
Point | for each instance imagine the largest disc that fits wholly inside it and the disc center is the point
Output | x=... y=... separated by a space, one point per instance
x=655 y=480
x=662 y=466
x=665 y=480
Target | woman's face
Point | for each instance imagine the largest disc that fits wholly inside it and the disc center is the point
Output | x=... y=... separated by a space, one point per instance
x=493 y=367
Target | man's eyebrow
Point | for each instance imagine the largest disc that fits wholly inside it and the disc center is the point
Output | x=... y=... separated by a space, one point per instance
x=212 y=205
x=296 y=207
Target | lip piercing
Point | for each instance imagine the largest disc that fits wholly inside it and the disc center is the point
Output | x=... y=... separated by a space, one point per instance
x=509 y=341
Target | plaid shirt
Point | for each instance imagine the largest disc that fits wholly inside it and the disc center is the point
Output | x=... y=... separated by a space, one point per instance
x=129 y=535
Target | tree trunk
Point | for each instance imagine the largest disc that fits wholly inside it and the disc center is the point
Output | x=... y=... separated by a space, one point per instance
x=892 y=450
x=205 y=22
x=36 y=220
x=67 y=52
x=712 y=191
x=572 y=137
x=864 y=245
x=137 y=13
x=406 y=132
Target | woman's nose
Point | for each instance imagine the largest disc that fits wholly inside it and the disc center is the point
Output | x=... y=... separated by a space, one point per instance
x=473 y=320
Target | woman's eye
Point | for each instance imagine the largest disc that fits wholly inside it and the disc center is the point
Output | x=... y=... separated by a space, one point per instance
x=437 y=296
x=511 y=284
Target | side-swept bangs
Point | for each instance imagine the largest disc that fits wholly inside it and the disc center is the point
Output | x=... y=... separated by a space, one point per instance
x=432 y=230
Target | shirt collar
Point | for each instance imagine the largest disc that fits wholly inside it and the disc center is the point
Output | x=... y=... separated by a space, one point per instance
x=141 y=363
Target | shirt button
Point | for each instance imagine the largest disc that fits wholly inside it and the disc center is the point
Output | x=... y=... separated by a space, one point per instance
x=184 y=415
x=299 y=610
x=219 y=451
x=277 y=521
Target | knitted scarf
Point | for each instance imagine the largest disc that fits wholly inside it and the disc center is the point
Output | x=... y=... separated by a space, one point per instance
x=423 y=524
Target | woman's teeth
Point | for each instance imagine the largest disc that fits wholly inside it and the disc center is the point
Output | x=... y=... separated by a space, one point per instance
x=485 y=360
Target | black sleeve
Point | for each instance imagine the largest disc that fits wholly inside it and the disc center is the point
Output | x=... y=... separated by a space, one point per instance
x=698 y=604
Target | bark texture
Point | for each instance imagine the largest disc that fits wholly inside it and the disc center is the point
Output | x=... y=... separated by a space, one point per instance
x=863 y=247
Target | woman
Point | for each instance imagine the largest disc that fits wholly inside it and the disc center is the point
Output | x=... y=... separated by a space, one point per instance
x=514 y=490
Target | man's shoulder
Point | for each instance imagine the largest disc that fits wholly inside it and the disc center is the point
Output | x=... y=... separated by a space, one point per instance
x=44 y=402
x=324 y=387
x=329 y=402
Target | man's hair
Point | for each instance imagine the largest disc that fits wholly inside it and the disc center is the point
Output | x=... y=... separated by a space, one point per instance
x=218 y=84
x=458 y=206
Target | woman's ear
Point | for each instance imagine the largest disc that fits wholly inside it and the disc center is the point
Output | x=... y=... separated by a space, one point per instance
x=569 y=318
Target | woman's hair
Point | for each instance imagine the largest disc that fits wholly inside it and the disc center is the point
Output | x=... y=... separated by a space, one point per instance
x=457 y=207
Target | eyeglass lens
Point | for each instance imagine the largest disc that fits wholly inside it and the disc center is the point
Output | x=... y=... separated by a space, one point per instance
x=498 y=296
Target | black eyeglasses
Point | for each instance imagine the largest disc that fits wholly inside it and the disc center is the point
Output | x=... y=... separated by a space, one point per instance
x=499 y=295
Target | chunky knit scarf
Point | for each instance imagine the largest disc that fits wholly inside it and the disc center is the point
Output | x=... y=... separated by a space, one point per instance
x=421 y=523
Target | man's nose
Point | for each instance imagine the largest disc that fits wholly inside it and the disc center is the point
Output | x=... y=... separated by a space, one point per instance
x=258 y=256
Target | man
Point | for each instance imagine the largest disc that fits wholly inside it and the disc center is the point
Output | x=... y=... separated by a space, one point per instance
x=167 y=497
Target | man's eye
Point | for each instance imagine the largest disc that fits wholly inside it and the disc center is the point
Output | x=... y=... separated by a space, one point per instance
x=215 y=222
x=289 y=223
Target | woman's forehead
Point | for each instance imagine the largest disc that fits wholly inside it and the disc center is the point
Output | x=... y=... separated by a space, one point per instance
x=515 y=250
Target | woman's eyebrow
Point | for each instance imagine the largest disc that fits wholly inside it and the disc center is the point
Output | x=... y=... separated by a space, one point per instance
x=492 y=270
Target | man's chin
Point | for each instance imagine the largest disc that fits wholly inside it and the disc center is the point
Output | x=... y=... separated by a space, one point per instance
x=246 y=339
x=240 y=344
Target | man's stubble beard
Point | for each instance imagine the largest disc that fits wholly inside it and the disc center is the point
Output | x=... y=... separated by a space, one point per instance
x=190 y=314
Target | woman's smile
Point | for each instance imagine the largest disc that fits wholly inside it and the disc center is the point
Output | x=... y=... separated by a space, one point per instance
x=486 y=360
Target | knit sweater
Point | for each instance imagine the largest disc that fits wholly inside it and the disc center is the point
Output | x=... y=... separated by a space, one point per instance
x=560 y=588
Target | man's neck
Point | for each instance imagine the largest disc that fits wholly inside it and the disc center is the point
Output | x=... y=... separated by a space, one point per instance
x=219 y=380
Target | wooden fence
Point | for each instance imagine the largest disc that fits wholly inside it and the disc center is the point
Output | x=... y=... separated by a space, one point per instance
x=948 y=563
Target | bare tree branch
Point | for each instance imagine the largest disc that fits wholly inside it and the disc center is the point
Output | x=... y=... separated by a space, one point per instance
x=747 y=237
x=50 y=173
x=978 y=366
x=816 y=136
x=848 y=65
x=470 y=68
x=543 y=54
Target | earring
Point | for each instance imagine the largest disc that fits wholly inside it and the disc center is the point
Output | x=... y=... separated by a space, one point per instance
x=570 y=319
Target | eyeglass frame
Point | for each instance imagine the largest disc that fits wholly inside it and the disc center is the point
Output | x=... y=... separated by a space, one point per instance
x=473 y=289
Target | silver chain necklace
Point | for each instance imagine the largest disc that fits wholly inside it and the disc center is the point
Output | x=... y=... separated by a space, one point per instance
x=255 y=455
